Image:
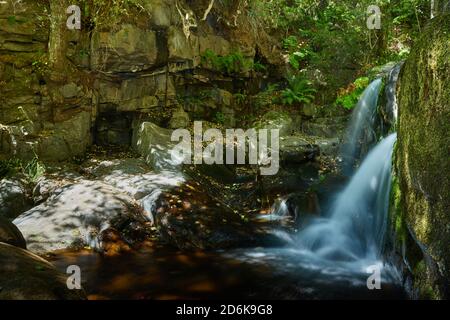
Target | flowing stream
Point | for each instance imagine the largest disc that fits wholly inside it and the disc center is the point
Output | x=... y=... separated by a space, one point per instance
x=356 y=225
x=328 y=258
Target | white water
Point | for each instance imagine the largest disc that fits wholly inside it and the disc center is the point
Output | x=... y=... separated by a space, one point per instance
x=356 y=224
x=391 y=107
x=360 y=126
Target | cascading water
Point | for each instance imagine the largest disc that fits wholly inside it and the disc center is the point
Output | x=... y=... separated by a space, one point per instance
x=360 y=130
x=390 y=109
x=357 y=222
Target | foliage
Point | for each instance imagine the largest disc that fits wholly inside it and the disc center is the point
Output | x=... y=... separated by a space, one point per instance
x=32 y=170
x=103 y=13
x=259 y=67
x=12 y=20
x=40 y=64
x=409 y=13
x=349 y=96
x=297 y=57
x=233 y=63
x=290 y=43
x=10 y=167
x=219 y=118
x=240 y=98
x=299 y=90
x=331 y=36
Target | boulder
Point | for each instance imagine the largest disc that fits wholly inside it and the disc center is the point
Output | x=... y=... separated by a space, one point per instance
x=13 y=198
x=78 y=214
x=296 y=149
x=328 y=146
x=276 y=120
x=10 y=234
x=155 y=145
x=46 y=186
x=327 y=130
x=25 y=276
x=135 y=178
x=298 y=207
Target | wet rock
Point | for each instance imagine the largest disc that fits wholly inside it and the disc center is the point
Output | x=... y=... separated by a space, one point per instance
x=77 y=216
x=294 y=210
x=25 y=276
x=113 y=242
x=328 y=146
x=13 y=198
x=10 y=234
x=188 y=218
x=302 y=206
x=382 y=71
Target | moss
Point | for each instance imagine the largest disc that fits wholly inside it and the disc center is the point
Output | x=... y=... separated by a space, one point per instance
x=422 y=156
x=400 y=229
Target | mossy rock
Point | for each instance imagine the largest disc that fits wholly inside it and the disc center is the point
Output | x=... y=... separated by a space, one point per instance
x=422 y=155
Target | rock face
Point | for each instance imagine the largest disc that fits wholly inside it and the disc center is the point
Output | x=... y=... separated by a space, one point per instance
x=25 y=276
x=78 y=215
x=128 y=49
x=58 y=84
x=423 y=157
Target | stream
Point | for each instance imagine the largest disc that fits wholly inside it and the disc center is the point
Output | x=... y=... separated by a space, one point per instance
x=330 y=257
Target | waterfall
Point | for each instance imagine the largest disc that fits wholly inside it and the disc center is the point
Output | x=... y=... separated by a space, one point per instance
x=390 y=109
x=356 y=223
x=360 y=130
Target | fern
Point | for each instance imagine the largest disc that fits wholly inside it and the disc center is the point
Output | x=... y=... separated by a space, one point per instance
x=299 y=90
